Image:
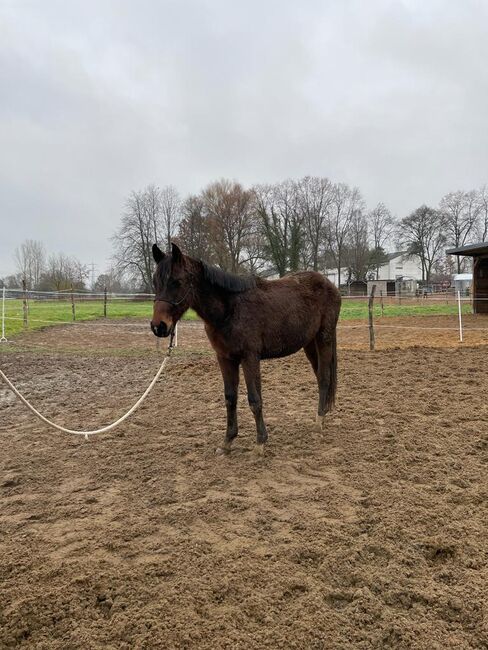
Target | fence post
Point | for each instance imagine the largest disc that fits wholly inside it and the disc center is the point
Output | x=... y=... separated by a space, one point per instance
x=105 y=302
x=25 y=304
x=460 y=318
x=382 y=305
x=370 y=317
x=3 y=339
x=73 y=309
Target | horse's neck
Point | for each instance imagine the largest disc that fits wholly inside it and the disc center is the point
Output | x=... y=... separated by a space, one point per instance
x=210 y=305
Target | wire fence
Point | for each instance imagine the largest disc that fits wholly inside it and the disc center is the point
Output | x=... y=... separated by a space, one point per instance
x=418 y=298
x=15 y=293
x=23 y=310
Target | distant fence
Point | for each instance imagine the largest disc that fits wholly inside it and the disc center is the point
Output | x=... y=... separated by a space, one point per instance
x=22 y=308
x=80 y=295
x=456 y=299
x=439 y=296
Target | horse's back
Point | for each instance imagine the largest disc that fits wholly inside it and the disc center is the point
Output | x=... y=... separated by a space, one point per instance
x=310 y=286
x=278 y=317
x=285 y=315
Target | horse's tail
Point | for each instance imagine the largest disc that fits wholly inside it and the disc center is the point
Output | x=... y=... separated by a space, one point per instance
x=331 y=395
x=331 y=311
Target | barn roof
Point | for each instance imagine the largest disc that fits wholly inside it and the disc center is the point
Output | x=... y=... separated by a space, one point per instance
x=472 y=249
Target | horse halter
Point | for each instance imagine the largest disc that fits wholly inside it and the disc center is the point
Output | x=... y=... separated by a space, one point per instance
x=174 y=303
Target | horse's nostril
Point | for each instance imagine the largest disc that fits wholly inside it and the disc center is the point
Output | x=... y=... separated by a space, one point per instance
x=159 y=330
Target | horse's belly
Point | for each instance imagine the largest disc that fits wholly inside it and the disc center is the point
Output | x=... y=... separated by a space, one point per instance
x=279 y=348
x=276 y=354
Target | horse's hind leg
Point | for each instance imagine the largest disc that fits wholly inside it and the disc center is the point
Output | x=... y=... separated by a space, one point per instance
x=230 y=374
x=326 y=373
x=252 y=375
x=312 y=356
x=311 y=351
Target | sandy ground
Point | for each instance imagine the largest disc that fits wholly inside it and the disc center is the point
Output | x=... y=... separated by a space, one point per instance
x=372 y=534
x=408 y=331
x=134 y=337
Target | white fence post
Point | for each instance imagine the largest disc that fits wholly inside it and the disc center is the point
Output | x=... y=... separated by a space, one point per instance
x=460 y=318
x=3 y=338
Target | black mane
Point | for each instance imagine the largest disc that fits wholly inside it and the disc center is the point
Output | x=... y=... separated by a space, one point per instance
x=229 y=281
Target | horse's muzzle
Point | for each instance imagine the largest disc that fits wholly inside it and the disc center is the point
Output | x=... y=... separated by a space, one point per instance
x=160 y=330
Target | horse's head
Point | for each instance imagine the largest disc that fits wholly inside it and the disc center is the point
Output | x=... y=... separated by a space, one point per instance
x=172 y=286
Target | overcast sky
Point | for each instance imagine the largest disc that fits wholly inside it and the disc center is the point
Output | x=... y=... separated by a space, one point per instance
x=102 y=97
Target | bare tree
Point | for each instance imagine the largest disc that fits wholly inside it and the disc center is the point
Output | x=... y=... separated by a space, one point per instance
x=274 y=231
x=345 y=204
x=227 y=207
x=141 y=226
x=482 y=223
x=381 y=229
x=358 y=256
x=170 y=205
x=460 y=210
x=63 y=272
x=255 y=247
x=30 y=259
x=193 y=231
x=422 y=233
x=113 y=281
x=315 y=196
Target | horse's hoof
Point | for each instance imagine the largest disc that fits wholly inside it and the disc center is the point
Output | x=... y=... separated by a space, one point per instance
x=259 y=450
x=222 y=451
x=319 y=423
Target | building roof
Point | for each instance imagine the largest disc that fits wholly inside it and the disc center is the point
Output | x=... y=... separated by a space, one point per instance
x=391 y=256
x=472 y=249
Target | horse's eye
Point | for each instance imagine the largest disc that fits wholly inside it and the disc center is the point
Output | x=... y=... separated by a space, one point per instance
x=174 y=284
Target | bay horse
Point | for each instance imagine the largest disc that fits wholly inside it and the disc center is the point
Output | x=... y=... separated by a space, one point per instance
x=248 y=319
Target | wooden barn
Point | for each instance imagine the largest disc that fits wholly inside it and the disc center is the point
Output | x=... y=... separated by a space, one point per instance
x=479 y=287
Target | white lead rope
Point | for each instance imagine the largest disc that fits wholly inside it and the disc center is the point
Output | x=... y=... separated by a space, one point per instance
x=94 y=431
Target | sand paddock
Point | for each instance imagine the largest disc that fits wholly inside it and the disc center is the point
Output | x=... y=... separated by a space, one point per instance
x=370 y=535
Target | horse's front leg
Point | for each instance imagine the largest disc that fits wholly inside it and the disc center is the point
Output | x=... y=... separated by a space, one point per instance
x=230 y=374
x=252 y=375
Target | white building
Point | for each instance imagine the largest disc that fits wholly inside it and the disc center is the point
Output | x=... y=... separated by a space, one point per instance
x=399 y=265
x=332 y=275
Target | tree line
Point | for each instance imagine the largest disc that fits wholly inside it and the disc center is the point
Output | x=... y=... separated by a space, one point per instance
x=309 y=223
x=269 y=229
x=41 y=271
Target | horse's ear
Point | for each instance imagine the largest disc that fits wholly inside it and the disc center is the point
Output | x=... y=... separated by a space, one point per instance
x=157 y=253
x=176 y=255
